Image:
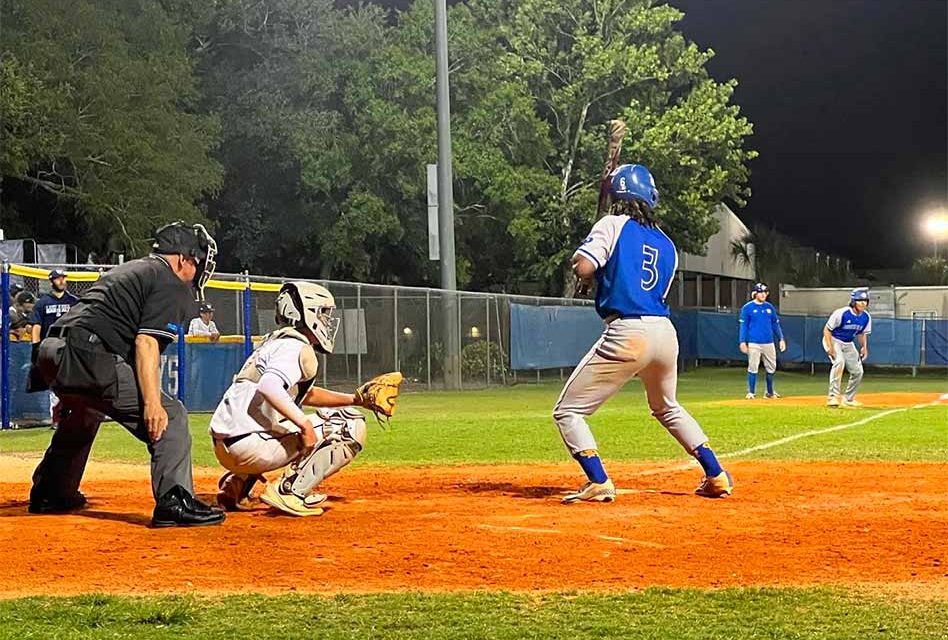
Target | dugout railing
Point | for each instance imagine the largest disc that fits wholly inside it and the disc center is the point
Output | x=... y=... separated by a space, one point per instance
x=504 y=338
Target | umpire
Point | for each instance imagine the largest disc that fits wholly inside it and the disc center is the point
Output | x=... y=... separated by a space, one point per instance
x=102 y=359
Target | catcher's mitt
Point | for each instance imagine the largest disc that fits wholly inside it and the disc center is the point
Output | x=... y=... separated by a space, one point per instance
x=380 y=394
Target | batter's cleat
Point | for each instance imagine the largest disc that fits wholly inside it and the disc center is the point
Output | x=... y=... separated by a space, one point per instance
x=288 y=503
x=54 y=505
x=750 y=396
x=773 y=396
x=852 y=404
x=832 y=401
x=720 y=486
x=593 y=492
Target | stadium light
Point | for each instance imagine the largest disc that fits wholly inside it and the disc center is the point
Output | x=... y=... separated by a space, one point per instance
x=935 y=226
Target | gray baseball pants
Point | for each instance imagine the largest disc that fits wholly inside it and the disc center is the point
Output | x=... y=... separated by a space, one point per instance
x=646 y=347
x=847 y=356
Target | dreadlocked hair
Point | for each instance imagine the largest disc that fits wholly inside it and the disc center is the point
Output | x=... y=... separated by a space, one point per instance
x=637 y=210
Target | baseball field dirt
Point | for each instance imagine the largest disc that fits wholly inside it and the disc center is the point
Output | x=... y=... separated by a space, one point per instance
x=876 y=524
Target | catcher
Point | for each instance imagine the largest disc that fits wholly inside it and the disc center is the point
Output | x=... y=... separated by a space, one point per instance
x=259 y=425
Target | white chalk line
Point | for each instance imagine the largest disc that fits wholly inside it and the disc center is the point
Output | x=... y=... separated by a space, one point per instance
x=683 y=466
x=617 y=539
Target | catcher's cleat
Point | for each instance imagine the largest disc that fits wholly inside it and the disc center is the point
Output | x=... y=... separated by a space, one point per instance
x=773 y=396
x=315 y=499
x=236 y=491
x=749 y=396
x=720 y=486
x=593 y=492
x=852 y=404
x=832 y=401
x=288 y=503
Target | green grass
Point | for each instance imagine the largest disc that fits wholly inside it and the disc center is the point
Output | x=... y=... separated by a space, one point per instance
x=655 y=614
x=514 y=425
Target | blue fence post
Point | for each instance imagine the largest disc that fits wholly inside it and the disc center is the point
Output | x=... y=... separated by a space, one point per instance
x=182 y=364
x=248 y=309
x=5 y=355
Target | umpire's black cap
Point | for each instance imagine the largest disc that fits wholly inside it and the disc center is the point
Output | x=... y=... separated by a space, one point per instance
x=182 y=238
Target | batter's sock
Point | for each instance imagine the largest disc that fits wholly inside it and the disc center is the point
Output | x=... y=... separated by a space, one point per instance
x=709 y=462
x=592 y=466
x=752 y=382
x=770 y=383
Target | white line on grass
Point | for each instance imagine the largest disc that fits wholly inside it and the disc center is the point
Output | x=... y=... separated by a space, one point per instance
x=797 y=436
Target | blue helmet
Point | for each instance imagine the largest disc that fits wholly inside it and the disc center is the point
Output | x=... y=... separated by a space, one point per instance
x=859 y=295
x=760 y=287
x=634 y=182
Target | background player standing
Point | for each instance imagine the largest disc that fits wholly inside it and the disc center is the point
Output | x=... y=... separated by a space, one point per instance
x=841 y=330
x=49 y=308
x=760 y=328
x=634 y=264
x=204 y=324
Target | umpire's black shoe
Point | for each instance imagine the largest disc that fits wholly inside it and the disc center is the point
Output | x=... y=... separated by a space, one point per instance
x=178 y=508
x=57 y=504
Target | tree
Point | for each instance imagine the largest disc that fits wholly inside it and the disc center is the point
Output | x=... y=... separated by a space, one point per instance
x=98 y=118
x=588 y=61
x=930 y=271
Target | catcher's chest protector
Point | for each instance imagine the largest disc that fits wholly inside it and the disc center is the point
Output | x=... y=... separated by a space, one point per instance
x=309 y=365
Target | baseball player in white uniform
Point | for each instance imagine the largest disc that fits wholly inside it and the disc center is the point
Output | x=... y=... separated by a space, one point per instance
x=844 y=326
x=259 y=425
x=634 y=264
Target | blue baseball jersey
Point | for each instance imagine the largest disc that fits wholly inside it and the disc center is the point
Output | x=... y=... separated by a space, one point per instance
x=49 y=309
x=635 y=267
x=760 y=324
x=845 y=324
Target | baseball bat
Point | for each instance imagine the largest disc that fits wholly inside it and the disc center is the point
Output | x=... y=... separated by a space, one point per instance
x=617 y=131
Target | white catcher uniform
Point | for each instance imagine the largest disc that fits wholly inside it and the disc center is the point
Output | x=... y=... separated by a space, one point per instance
x=252 y=438
x=635 y=268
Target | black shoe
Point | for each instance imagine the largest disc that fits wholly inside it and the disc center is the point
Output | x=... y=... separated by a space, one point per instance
x=178 y=508
x=58 y=504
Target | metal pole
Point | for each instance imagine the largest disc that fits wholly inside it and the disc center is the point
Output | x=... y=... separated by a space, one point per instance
x=359 y=333
x=395 y=322
x=500 y=341
x=182 y=365
x=248 y=309
x=487 y=333
x=428 y=334
x=460 y=332
x=5 y=366
x=452 y=346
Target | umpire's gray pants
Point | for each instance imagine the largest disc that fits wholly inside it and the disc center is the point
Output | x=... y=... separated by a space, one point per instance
x=847 y=356
x=62 y=467
x=645 y=347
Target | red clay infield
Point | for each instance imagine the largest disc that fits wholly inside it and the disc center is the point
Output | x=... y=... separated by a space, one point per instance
x=498 y=527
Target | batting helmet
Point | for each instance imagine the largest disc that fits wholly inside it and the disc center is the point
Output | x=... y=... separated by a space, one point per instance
x=760 y=287
x=634 y=182
x=859 y=295
x=309 y=307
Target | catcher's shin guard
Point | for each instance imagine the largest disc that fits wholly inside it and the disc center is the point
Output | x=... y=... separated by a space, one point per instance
x=343 y=438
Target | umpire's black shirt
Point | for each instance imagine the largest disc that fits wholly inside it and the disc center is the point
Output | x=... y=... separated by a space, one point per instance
x=141 y=296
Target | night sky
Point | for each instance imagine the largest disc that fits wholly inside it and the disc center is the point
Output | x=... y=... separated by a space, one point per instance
x=848 y=101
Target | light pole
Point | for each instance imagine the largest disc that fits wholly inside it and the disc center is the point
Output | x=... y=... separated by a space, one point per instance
x=936 y=228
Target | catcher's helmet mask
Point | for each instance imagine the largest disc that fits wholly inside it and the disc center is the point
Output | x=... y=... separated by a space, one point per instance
x=314 y=317
x=191 y=241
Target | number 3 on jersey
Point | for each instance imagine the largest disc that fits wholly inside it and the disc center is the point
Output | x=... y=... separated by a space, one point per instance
x=649 y=267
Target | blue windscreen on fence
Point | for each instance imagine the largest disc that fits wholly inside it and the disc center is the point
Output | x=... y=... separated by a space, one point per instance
x=547 y=337
x=936 y=342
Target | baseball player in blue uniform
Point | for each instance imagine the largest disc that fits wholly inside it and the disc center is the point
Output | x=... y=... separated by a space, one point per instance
x=760 y=329
x=48 y=309
x=634 y=264
x=844 y=326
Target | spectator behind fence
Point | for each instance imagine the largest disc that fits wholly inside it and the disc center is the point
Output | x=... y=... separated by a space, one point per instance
x=20 y=312
x=48 y=309
x=204 y=324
